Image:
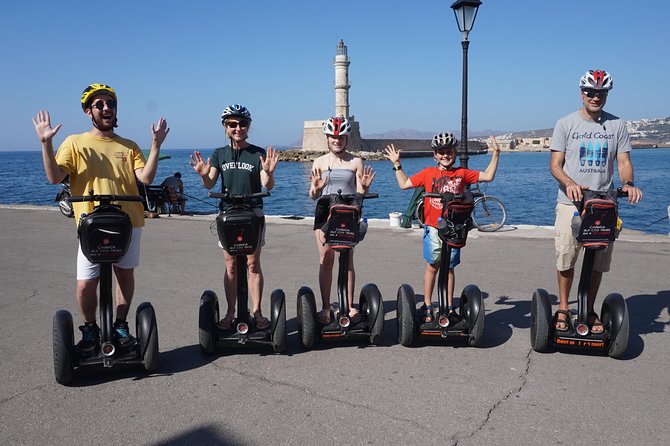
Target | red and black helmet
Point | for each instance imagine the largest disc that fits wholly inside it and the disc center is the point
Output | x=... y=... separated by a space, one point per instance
x=596 y=80
x=336 y=126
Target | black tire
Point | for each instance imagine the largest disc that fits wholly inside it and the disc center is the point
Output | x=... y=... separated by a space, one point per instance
x=614 y=315
x=489 y=214
x=406 y=306
x=65 y=207
x=372 y=307
x=278 y=313
x=208 y=318
x=147 y=334
x=418 y=212
x=472 y=309
x=540 y=320
x=307 y=329
x=63 y=347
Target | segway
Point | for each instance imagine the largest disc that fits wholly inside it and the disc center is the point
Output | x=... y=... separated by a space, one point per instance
x=104 y=235
x=469 y=321
x=240 y=229
x=597 y=231
x=342 y=232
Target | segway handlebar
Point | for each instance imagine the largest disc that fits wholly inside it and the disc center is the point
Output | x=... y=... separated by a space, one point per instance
x=599 y=194
x=240 y=197
x=443 y=195
x=105 y=199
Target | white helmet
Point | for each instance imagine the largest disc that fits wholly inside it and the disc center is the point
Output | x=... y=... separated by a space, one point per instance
x=443 y=141
x=235 y=110
x=596 y=80
x=336 y=126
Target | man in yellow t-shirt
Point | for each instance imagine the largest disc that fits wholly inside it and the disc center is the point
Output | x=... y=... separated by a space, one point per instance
x=101 y=161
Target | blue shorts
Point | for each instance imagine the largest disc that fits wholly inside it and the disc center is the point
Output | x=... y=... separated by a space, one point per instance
x=432 y=248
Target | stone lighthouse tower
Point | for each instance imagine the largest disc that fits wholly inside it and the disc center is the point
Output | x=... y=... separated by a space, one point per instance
x=341 y=64
x=313 y=137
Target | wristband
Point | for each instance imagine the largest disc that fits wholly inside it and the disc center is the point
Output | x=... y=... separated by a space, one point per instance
x=399 y=167
x=629 y=183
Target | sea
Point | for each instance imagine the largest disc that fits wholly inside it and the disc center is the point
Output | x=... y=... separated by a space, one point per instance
x=523 y=183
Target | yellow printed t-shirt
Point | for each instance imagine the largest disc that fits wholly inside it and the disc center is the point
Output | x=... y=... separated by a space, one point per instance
x=104 y=165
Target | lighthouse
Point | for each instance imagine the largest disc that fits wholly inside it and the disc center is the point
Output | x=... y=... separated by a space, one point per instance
x=341 y=64
x=313 y=137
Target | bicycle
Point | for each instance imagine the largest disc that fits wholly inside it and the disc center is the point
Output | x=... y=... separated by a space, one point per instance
x=488 y=215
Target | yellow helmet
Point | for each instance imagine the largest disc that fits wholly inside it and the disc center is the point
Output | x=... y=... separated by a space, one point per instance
x=94 y=90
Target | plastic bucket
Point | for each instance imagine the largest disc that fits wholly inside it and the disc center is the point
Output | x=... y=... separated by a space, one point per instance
x=394 y=219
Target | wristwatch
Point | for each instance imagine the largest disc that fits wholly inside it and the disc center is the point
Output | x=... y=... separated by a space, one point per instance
x=399 y=167
x=629 y=183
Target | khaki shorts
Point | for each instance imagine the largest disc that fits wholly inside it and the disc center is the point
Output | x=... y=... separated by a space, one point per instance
x=567 y=248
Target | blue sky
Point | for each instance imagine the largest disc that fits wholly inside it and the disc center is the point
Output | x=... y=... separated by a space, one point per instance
x=187 y=60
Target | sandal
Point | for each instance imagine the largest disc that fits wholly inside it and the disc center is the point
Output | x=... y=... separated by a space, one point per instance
x=227 y=322
x=561 y=324
x=356 y=317
x=261 y=322
x=427 y=313
x=454 y=318
x=597 y=326
x=323 y=317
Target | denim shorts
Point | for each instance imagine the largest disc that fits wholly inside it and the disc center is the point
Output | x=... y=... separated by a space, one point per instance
x=432 y=248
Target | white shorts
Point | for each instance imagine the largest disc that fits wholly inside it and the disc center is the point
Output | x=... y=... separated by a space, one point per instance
x=87 y=270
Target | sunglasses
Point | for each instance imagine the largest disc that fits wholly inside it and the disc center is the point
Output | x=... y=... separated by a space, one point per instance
x=100 y=105
x=594 y=93
x=236 y=124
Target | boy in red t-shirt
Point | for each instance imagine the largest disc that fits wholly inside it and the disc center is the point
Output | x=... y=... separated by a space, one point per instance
x=440 y=179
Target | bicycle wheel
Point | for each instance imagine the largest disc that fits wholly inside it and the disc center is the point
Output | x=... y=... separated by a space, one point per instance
x=418 y=213
x=489 y=214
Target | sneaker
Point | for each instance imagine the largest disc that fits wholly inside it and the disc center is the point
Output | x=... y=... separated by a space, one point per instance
x=90 y=339
x=122 y=334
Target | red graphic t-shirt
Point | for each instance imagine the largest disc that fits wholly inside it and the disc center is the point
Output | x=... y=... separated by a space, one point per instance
x=435 y=180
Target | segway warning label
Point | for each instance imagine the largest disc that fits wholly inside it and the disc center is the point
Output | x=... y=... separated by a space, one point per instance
x=583 y=343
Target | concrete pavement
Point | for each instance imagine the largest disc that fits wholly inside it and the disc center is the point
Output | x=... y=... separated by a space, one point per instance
x=502 y=393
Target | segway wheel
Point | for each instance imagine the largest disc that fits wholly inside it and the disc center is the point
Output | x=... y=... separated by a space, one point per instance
x=147 y=334
x=406 y=304
x=614 y=315
x=540 y=320
x=472 y=305
x=208 y=317
x=372 y=307
x=278 y=312
x=307 y=329
x=63 y=347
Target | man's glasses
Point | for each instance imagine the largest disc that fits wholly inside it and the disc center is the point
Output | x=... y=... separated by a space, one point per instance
x=595 y=93
x=236 y=124
x=100 y=105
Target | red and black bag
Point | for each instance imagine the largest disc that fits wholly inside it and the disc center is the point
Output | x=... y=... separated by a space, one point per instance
x=599 y=219
x=457 y=219
x=342 y=228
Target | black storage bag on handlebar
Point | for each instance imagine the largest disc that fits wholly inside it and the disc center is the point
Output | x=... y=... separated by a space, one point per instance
x=342 y=229
x=599 y=218
x=104 y=234
x=456 y=214
x=239 y=228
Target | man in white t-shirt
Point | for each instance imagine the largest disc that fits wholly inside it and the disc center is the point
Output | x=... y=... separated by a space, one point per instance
x=585 y=145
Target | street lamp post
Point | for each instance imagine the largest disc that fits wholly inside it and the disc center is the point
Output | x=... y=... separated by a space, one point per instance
x=465 y=12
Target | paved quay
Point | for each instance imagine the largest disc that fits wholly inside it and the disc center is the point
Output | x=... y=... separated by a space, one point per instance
x=501 y=393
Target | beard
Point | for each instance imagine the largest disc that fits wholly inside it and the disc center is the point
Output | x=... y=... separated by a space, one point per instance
x=100 y=125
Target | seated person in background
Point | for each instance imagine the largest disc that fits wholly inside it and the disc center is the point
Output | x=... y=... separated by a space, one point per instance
x=175 y=191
